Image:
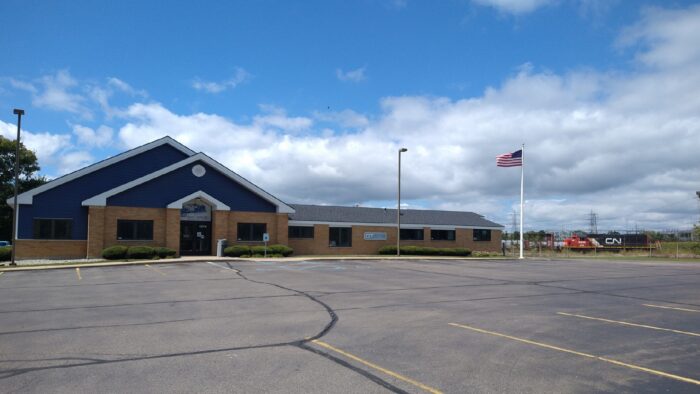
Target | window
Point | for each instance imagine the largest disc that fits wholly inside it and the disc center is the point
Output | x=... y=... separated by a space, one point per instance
x=135 y=230
x=301 y=232
x=410 y=234
x=442 y=235
x=251 y=231
x=482 y=235
x=340 y=236
x=52 y=228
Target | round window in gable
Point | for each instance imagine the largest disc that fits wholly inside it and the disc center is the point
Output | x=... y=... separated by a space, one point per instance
x=199 y=170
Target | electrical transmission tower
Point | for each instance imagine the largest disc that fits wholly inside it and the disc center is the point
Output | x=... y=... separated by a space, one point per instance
x=593 y=222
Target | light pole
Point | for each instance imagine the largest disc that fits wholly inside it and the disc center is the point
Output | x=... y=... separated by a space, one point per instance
x=398 y=209
x=19 y=113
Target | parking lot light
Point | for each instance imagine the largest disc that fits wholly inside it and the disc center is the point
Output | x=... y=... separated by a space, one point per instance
x=19 y=113
x=398 y=209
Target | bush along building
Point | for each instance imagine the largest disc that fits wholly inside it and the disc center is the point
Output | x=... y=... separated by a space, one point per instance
x=163 y=194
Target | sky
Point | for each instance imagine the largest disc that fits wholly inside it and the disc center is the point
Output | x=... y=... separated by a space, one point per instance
x=311 y=100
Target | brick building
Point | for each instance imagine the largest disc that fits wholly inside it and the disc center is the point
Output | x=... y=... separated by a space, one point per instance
x=164 y=194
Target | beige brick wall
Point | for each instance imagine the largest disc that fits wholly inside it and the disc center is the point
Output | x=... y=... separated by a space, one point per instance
x=51 y=249
x=158 y=215
x=96 y=231
x=319 y=245
x=276 y=226
x=172 y=229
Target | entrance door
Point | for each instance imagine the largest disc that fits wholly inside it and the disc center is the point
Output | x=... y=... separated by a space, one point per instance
x=195 y=238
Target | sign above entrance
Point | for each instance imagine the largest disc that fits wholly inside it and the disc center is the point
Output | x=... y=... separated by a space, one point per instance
x=195 y=212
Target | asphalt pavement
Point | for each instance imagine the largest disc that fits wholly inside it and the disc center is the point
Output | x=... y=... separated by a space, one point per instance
x=353 y=326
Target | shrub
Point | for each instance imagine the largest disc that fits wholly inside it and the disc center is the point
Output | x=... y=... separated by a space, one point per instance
x=257 y=255
x=695 y=248
x=115 y=252
x=283 y=250
x=258 y=250
x=237 y=251
x=165 y=252
x=6 y=253
x=388 y=250
x=424 y=251
x=140 y=252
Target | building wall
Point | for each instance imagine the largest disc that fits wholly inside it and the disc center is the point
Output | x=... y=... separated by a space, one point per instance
x=50 y=248
x=166 y=227
x=276 y=226
x=159 y=192
x=319 y=245
x=102 y=224
x=112 y=214
x=65 y=201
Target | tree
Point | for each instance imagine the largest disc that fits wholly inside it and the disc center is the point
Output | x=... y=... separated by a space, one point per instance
x=28 y=179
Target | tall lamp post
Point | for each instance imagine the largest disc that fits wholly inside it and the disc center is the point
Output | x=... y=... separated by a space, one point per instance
x=19 y=113
x=398 y=209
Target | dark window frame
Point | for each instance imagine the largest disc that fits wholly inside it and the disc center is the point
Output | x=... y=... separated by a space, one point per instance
x=412 y=234
x=37 y=230
x=343 y=235
x=434 y=235
x=484 y=235
x=249 y=232
x=300 y=232
x=137 y=230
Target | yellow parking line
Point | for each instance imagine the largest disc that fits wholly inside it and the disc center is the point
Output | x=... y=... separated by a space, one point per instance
x=671 y=307
x=1 y=273
x=631 y=324
x=607 y=360
x=378 y=368
x=155 y=269
x=77 y=272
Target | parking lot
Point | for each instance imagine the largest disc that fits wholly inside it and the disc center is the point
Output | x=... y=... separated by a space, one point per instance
x=360 y=326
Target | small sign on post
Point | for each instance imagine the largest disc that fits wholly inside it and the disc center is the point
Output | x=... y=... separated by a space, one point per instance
x=266 y=239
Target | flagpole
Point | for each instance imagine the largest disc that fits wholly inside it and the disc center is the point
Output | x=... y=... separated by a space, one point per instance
x=522 y=194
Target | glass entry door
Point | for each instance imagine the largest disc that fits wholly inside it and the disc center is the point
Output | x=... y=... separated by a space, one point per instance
x=195 y=238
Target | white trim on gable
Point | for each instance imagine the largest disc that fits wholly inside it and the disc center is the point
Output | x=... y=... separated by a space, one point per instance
x=218 y=205
x=28 y=196
x=101 y=199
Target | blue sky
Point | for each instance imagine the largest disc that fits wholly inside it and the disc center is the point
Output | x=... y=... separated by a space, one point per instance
x=311 y=99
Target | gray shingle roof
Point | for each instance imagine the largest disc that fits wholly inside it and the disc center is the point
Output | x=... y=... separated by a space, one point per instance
x=338 y=214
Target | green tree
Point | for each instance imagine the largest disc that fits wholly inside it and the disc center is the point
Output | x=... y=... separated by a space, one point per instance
x=28 y=179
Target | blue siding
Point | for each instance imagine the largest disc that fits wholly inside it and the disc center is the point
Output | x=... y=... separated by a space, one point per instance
x=64 y=201
x=160 y=192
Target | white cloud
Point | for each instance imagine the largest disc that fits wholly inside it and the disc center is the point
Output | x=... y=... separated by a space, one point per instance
x=45 y=145
x=73 y=161
x=357 y=75
x=346 y=118
x=124 y=87
x=57 y=95
x=514 y=6
x=669 y=35
x=94 y=138
x=239 y=77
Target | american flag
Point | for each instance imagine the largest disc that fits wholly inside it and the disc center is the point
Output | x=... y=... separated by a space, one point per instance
x=514 y=159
